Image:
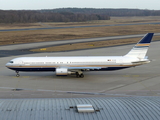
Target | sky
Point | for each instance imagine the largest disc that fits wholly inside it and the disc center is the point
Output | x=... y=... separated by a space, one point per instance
x=52 y=4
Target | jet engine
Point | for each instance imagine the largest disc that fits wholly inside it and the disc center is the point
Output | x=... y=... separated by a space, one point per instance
x=63 y=72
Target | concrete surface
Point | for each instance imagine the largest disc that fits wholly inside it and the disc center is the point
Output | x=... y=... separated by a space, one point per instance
x=139 y=81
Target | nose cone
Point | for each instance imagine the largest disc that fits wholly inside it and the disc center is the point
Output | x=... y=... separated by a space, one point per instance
x=7 y=65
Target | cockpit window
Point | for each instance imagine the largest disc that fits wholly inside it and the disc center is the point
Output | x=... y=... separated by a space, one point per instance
x=10 y=61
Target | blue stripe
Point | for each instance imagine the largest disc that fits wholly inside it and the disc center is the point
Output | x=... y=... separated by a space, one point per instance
x=33 y=69
x=53 y=69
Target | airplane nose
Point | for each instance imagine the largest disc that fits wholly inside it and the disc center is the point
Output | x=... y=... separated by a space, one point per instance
x=7 y=65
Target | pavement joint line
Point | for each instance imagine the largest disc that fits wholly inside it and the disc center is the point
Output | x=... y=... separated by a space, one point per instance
x=133 y=83
x=69 y=92
x=111 y=88
x=131 y=75
x=80 y=93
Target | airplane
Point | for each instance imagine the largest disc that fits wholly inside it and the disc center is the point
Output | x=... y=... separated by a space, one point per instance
x=76 y=65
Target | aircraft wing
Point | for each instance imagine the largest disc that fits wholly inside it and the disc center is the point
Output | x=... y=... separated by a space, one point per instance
x=141 y=62
x=83 y=68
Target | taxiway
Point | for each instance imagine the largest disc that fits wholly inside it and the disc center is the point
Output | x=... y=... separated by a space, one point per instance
x=139 y=81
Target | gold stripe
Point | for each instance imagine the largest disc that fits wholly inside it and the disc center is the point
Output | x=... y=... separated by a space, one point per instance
x=142 y=44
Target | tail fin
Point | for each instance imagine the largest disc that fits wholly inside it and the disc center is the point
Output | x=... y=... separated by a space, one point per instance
x=141 y=48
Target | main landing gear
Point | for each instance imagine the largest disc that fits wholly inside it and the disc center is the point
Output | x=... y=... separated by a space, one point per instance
x=17 y=75
x=79 y=74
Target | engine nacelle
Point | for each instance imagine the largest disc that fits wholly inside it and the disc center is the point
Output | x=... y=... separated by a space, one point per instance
x=63 y=72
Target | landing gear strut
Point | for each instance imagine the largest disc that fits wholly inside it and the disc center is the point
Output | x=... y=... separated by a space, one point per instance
x=17 y=75
x=79 y=74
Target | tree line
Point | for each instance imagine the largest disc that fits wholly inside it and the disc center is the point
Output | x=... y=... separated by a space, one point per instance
x=26 y=16
x=110 y=12
x=69 y=14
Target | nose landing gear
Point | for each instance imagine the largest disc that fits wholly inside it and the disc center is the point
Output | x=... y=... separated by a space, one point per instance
x=17 y=75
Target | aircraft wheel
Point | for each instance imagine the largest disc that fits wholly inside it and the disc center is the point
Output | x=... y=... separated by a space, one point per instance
x=17 y=75
x=77 y=75
x=82 y=76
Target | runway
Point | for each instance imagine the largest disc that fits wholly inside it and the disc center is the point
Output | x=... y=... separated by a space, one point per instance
x=139 y=81
x=47 y=28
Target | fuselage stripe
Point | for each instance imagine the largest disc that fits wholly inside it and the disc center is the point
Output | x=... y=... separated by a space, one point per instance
x=142 y=44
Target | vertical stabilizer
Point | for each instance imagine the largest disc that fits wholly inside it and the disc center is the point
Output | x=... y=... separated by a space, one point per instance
x=141 y=48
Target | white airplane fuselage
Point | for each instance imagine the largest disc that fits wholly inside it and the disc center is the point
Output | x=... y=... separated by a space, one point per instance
x=51 y=63
x=75 y=65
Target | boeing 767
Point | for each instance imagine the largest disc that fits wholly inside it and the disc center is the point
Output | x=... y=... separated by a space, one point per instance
x=78 y=64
